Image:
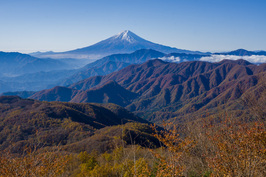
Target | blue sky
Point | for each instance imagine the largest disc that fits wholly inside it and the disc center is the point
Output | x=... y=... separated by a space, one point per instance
x=61 y=25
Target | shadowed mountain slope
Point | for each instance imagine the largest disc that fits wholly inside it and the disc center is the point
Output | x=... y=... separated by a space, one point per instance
x=110 y=92
x=27 y=121
x=57 y=93
x=167 y=90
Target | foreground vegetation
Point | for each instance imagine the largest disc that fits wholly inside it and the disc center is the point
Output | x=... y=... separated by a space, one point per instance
x=230 y=149
x=212 y=146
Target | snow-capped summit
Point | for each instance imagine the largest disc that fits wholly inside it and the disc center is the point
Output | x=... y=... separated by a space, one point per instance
x=127 y=36
x=124 y=42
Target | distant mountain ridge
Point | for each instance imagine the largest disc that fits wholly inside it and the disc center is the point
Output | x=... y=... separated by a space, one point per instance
x=111 y=64
x=39 y=80
x=242 y=52
x=20 y=72
x=22 y=94
x=46 y=79
x=124 y=42
x=169 y=89
x=116 y=62
x=14 y=63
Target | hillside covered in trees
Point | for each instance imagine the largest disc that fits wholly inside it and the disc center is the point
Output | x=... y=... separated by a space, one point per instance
x=61 y=145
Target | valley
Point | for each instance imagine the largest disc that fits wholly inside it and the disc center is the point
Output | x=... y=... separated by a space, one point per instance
x=129 y=107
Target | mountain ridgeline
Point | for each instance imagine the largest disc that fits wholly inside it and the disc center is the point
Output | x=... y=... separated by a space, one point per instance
x=62 y=72
x=20 y=72
x=111 y=64
x=126 y=106
x=27 y=122
x=14 y=63
x=124 y=42
x=37 y=71
x=242 y=52
x=160 y=90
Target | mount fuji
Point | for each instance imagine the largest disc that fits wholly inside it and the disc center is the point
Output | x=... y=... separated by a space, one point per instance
x=124 y=42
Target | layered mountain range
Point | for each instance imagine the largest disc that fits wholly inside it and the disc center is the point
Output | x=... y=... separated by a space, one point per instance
x=21 y=72
x=111 y=64
x=66 y=74
x=83 y=105
x=13 y=63
x=157 y=89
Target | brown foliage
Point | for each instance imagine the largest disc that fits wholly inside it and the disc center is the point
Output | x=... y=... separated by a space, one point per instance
x=33 y=163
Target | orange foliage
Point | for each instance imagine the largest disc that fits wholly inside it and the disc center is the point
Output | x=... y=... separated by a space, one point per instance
x=238 y=149
x=33 y=164
x=174 y=149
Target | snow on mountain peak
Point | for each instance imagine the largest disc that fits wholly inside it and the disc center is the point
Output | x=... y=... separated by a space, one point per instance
x=127 y=36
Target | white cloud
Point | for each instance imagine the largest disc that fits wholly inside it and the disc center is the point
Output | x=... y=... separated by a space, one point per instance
x=252 y=58
x=171 y=58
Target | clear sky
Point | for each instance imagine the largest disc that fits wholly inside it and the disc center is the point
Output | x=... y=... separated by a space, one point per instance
x=61 y=25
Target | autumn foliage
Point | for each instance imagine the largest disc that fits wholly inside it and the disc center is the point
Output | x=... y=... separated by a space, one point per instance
x=33 y=163
x=238 y=149
x=211 y=146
